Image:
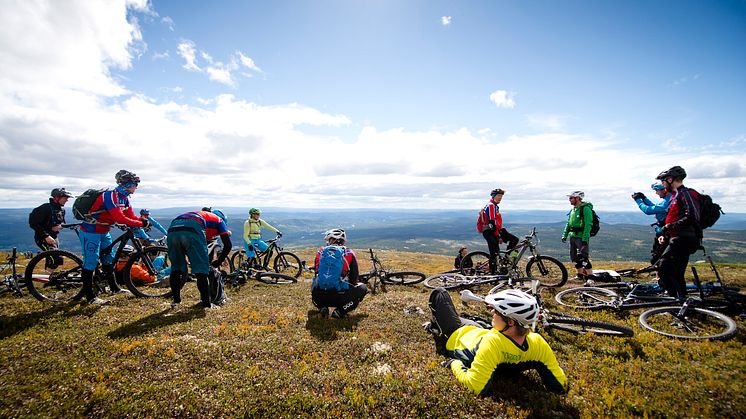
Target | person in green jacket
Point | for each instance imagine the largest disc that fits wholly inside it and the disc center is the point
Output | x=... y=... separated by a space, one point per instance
x=578 y=229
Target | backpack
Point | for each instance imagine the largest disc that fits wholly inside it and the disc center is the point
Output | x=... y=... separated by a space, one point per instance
x=84 y=202
x=331 y=265
x=709 y=212
x=480 y=222
x=596 y=225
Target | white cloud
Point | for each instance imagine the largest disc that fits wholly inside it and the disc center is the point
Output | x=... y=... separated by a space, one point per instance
x=169 y=23
x=552 y=122
x=503 y=99
x=215 y=70
x=62 y=107
x=248 y=62
x=445 y=20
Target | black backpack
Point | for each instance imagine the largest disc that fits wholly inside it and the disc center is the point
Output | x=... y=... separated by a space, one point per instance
x=84 y=202
x=709 y=212
x=596 y=223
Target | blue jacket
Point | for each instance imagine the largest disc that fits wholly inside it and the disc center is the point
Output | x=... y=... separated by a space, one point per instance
x=140 y=233
x=659 y=210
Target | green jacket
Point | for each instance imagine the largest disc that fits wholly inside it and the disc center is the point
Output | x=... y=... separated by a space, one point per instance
x=579 y=222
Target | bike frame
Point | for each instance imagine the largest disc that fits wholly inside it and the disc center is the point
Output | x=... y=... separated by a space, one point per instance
x=11 y=280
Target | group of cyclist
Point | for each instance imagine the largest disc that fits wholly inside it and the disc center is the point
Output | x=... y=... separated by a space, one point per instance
x=477 y=356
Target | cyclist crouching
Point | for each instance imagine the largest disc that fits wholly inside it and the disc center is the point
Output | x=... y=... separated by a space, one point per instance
x=329 y=288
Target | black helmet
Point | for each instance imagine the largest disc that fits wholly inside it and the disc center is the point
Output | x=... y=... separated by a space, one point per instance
x=497 y=191
x=58 y=192
x=125 y=176
x=674 y=172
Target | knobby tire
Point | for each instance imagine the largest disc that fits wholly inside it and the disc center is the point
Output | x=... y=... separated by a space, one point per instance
x=696 y=323
x=64 y=283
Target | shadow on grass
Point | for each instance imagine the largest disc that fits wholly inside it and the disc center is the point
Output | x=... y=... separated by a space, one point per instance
x=158 y=320
x=10 y=325
x=325 y=329
x=527 y=392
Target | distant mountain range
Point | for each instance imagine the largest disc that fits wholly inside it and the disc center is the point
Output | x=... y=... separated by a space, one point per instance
x=623 y=235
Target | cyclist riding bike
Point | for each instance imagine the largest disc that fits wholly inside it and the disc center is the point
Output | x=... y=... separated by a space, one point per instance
x=682 y=230
x=252 y=233
x=46 y=220
x=142 y=233
x=480 y=356
x=660 y=210
x=336 y=281
x=188 y=236
x=111 y=207
x=490 y=224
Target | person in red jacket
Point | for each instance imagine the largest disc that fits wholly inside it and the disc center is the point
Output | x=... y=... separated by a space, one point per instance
x=681 y=229
x=490 y=224
x=111 y=207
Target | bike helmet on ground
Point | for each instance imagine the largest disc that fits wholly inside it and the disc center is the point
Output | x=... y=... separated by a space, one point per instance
x=220 y=214
x=674 y=172
x=128 y=249
x=254 y=211
x=497 y=191
x=144 y=211
x=515 y=304
x=124 y=177
x=58 y=192
x=657 y=186
x=336 y=234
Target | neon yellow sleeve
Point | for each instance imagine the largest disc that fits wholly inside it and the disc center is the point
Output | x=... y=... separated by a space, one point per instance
x=485 y=361
x=246 y=231
x=263 y=223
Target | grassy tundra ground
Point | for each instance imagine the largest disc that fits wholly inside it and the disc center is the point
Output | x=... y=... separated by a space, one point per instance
x=267 y=353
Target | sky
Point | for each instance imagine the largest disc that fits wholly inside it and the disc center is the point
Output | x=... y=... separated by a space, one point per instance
x=372 y=104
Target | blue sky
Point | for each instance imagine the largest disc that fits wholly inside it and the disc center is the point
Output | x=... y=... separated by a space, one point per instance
x=373 y=104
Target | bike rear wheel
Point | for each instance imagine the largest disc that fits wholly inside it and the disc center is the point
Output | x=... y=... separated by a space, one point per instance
x=151 y=278
x=548 y=270
x=586 y=297
x=404 y=278
x=446 y=280
x=582 y=326
x=288 y=263
x=693 y=323
x=60 y=282
x=275 y=278
x=475 y=263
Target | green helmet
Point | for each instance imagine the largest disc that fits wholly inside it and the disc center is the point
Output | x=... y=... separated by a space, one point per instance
x=254 y=211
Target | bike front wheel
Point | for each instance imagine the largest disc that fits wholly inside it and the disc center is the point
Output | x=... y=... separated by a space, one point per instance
x=275 y=278
x=586 y=297
x=475 y=263
x=288 y=264
x=55 y=275
x=689 y=323
x=148 y=273
x=448 y=281
x=404 y=278
x=548 y=270
x=578 y=326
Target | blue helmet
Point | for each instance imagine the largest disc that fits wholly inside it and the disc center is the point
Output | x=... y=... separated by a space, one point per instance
x=144 y=211
x=220 y=214
x=657 y=186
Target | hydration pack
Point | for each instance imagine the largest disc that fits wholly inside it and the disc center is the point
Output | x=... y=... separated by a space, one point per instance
x=596 y=223
x=709 y=212
x=84 y=202
x=331 y=265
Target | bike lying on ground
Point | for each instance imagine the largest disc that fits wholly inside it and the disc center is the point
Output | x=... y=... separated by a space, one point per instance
x=55 y=275
x=244 y=271
x=10 y=280
x=692 y=318
x=550 y=320
x=286 y=263
x=378 y=277
x=546 y=269
x=454 y=280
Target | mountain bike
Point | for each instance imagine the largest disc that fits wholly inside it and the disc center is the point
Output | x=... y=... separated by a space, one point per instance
x=61 y=280
x=245 y=270
x=560 y=321
x=287 y=263
x=378 y=277
x=10 y=280
x=546 y=269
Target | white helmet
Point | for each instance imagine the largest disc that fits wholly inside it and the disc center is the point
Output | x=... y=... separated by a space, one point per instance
x=336 y=234
x=515 y=304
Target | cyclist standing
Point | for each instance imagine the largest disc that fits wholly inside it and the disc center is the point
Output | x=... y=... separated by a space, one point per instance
x=660 y=210
x=188 y=236
x=477 y=355
x=109 y=208
x=490 y=224
x=332 y=265
x=142 y=233
x=46 y=220
x=252 y=233
x=578 y=229
x=682 y=230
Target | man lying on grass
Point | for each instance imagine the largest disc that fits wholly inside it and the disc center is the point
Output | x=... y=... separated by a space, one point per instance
x=478 y=356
